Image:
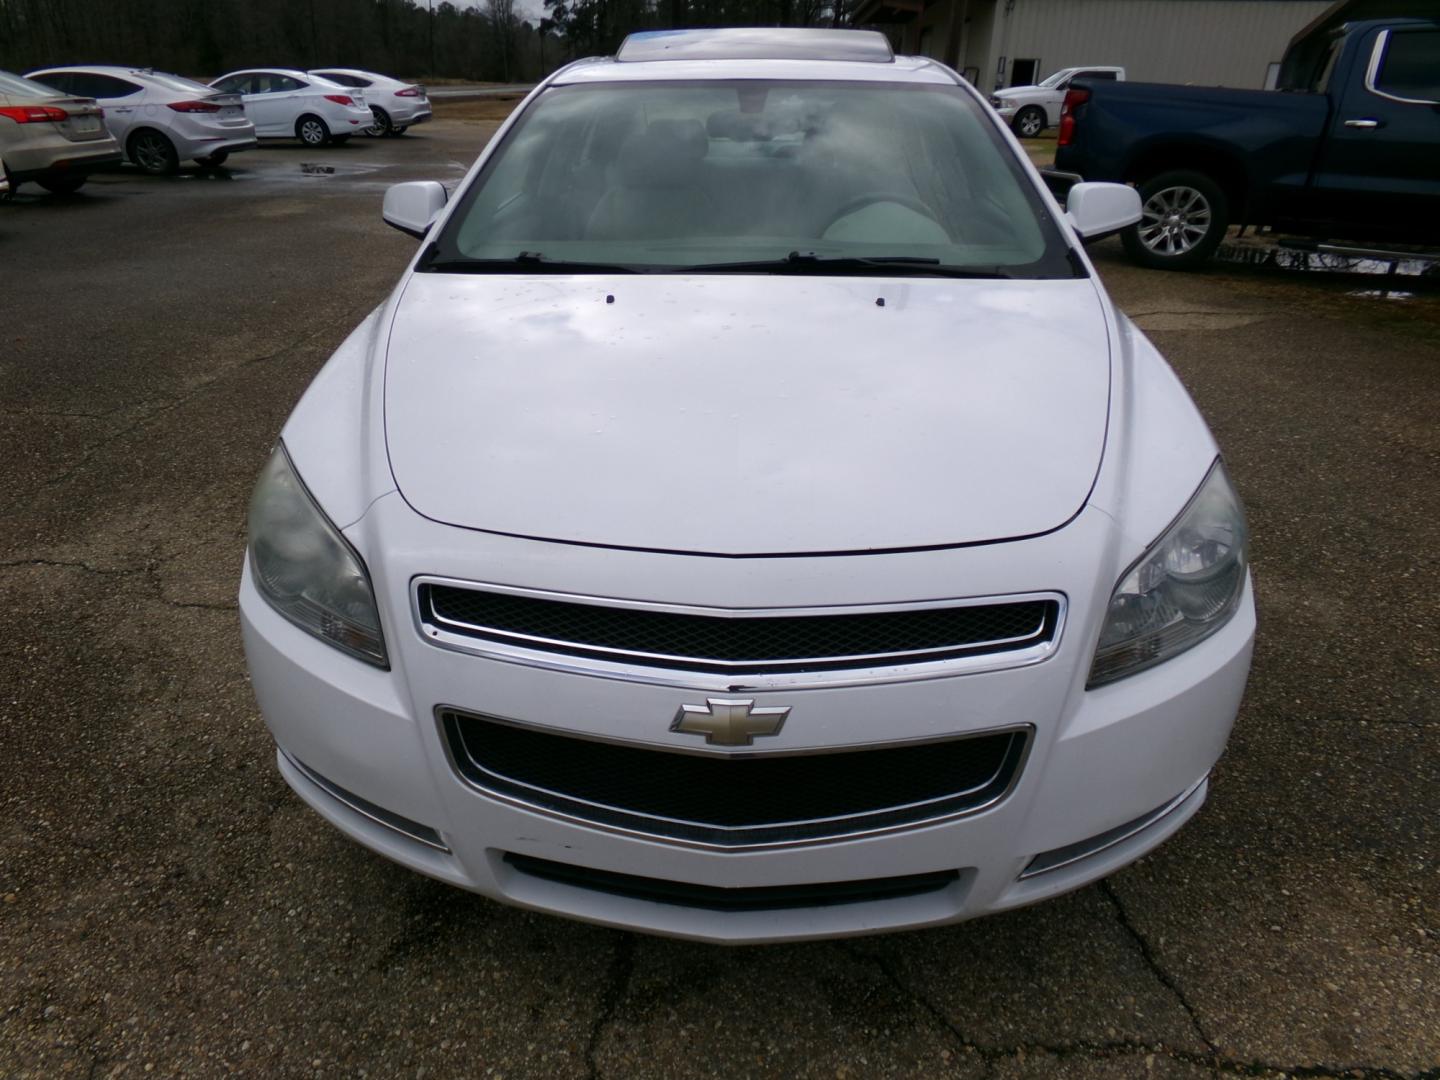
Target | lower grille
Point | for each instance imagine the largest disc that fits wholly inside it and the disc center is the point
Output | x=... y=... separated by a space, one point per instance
x=735 y=800
x=754 y=898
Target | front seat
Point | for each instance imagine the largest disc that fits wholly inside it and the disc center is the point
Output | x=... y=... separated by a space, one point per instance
x=658 y=194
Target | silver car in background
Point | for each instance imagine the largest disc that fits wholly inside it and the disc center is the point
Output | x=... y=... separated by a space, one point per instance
x=396 y=105
x=159 y=119
x=49 y=137
x=284 y=103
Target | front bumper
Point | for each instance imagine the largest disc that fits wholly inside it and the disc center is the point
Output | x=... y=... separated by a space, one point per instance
x=1120 y=768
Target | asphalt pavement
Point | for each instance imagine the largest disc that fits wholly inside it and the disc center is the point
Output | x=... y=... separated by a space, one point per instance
x=167 y=907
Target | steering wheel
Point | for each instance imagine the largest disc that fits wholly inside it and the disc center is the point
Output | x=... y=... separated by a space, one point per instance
x=870 y=198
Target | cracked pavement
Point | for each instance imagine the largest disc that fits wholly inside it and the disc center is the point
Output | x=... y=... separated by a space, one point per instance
x=167 y=905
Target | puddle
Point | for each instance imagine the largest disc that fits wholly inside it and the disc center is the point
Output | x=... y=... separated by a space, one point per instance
x=1382 y=294
x=1325 y=262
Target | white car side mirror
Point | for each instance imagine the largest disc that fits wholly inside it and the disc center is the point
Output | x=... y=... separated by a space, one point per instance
x=413 y=206
x=1097 y=209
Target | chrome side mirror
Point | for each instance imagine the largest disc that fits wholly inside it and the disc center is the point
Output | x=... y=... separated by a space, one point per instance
x=412 y=207
x=1097 y=210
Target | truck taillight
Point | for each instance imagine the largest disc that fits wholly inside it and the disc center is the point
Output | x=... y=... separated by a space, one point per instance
x=340 y=99
x=34 y=114
x=194 y=106
x=1073 y=99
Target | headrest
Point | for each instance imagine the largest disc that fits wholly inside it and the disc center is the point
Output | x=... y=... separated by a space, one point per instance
x=664 y=154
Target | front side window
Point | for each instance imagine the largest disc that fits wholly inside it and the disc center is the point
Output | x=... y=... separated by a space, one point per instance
x=719 y=175
x=235 y=84
x=1410 y=66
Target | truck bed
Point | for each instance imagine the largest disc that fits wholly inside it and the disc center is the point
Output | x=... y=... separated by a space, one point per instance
x=1266 y=138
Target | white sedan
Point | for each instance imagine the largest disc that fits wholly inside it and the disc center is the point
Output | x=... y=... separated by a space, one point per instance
x=285 y=104
x=159 y=119
x=397 y=106
x=749 y=518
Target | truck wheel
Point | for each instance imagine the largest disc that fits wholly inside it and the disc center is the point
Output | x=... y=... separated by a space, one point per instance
x=1183 y=218
x=1029 y=122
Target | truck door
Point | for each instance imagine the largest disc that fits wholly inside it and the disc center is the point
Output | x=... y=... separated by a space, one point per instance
x=1379 y=172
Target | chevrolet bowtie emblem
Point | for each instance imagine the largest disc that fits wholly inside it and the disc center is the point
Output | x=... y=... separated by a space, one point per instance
x=729 y=721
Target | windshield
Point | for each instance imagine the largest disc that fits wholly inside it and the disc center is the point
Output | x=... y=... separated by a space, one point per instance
x=1059 y=76
x=725 y=175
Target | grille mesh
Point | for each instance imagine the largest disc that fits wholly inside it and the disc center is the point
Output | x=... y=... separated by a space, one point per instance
x=752 y=898
x=733 y=799
x=749 y=643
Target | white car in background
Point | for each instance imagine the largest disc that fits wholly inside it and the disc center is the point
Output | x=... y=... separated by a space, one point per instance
x=1029 y=110
x=159 y=119
x=285 y=103
x=396 y=105
x=729 y=528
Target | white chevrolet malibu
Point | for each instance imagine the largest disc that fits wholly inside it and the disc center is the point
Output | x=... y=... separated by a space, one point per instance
x=749 y=519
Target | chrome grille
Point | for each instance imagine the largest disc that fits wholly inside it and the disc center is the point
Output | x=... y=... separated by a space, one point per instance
x=733 y=800
x=738 y=642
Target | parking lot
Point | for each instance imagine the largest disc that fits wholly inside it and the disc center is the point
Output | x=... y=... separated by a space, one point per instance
x=169 y=907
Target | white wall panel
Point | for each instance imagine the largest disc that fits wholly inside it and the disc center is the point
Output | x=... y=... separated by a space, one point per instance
x=1206 y=42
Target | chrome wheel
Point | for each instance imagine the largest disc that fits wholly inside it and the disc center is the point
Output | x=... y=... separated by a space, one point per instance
x=313 y=132
x=381 y=126
x=1174 y=219
x=1030 y=122
x=152 y=152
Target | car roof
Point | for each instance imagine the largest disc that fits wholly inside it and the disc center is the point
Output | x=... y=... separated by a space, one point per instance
x=757 y=43
x=109 y=69
x=908 y=69
x=292 y=72
x=756 y=53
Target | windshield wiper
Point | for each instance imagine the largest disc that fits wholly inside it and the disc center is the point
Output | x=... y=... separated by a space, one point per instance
x=807 y=262
x=526 y=262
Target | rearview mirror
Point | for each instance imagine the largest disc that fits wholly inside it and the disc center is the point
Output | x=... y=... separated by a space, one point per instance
x=1097 y=210
x=413 y=207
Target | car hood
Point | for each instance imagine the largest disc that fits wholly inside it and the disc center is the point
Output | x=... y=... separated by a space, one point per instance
x=1012 y=92
x=747 y=415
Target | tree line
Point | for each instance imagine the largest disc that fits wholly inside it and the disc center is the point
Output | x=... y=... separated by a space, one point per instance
x=414 y=39
x=596 y=27
x=205 y=38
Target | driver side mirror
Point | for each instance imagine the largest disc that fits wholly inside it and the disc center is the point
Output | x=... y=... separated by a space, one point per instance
x=1097 y=210
x=412 y=207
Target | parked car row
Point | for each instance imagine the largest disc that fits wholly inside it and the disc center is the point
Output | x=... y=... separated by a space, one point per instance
x=59 y=124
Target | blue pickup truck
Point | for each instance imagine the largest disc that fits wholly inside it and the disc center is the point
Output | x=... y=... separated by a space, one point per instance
x=1347 y=149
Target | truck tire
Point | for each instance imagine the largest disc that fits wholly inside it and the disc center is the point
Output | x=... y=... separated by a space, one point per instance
x=1184 y=216
x=1029 y=122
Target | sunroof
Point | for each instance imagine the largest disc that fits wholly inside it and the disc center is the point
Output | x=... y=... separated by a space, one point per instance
x=759 y=43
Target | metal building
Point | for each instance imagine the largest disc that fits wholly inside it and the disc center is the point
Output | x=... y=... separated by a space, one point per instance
x=997 y=43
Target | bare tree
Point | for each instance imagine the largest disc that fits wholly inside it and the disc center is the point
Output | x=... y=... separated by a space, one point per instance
x=504 y=25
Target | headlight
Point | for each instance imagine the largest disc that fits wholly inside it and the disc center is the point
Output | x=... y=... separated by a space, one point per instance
x=305 y=568
x=997 y=102
x=1182 y=590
